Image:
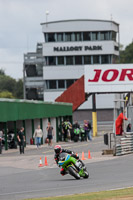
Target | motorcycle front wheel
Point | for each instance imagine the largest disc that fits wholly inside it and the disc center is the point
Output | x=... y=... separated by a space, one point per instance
x=73 y=173
x=86 y=174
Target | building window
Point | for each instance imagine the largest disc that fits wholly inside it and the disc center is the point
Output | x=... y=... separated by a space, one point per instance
x=59 y=37
x=58 y=84
x=31 y=70
x=96 y=59
x=31 y=93
x=104 y=59
x=77 y=36
x=86 y=36
x=39 y=69
x=94 y=35
x=69 y=82
x=114 y=59
x=46 y=84
x=78 y=60
x=68 y=37
x=104 y=35
x=69 y=60
x=46 y=37
x=116 y=48
x=40 y=92
x=52 y=84
x=51 y=37
x=60 y=60
x=113 y=35
x=61 y=84
x=51 y=60
x=87 y=60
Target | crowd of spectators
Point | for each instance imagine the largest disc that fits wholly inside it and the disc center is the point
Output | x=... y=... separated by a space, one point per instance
x=75 y=132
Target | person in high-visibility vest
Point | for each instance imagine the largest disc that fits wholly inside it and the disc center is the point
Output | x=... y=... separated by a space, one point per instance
x=119 y=123
x=67 y=126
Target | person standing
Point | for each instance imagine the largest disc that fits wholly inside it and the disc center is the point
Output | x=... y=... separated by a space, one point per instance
x=38 y=135
x=21 y=140
x=67 y=127
x=50 y=134
x=119 y=123
x=87 y=128
x=129 y=128
x=76 y=130
x=1 y=133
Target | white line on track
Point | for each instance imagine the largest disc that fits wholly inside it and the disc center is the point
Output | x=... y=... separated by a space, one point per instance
x=47 y=189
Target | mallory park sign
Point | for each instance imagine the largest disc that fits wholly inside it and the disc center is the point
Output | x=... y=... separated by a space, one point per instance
x=77 y=48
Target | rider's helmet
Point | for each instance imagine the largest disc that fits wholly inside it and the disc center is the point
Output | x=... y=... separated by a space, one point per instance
x=57 y=149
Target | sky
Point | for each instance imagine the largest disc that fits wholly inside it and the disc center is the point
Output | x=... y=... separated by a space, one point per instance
x=20 y=20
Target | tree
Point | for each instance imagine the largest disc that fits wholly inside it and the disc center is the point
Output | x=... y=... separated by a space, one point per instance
x=126 y=56
x=10 y=87
x=6 y=94
x=2 y=72
x=7 y=83
x=19 y=89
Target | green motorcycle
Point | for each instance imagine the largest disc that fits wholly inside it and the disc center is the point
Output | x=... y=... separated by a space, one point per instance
x=72 y=166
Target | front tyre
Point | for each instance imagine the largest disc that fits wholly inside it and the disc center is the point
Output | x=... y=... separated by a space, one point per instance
x=86 y=174
x=73 y=173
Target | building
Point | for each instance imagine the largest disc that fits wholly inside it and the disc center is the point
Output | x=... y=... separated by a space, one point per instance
x=68 y=46
x=29 y=114
x=33 y=74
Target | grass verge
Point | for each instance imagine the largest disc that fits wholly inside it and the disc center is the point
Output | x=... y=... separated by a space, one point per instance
x=123 y=194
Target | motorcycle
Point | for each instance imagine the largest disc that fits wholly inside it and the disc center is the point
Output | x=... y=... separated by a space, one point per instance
x=12 y=144
x=11 y=141
x=82 y=132
x=76 y=134
x=73 y=166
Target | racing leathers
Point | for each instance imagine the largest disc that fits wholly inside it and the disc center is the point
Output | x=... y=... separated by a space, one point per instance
x=56 y=157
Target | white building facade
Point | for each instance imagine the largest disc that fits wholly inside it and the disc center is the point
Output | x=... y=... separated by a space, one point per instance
x=68 y=46
x=71 y=44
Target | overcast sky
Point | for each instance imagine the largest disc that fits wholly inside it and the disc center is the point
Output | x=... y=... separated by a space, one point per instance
x=20 y=27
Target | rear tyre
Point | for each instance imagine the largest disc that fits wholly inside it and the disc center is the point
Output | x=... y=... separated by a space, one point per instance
x=73 y=173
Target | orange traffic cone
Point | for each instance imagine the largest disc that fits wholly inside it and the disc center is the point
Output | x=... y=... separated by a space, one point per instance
x=40 y=164
x=45 y=163
x=83 y=157
x=89 y=155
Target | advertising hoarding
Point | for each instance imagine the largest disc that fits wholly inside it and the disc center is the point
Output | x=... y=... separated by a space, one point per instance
x=113 y=78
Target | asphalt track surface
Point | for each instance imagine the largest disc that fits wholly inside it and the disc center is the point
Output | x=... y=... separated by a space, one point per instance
x=22 y=183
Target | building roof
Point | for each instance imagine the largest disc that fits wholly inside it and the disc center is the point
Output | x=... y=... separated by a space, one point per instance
x=13 y=110
x=70 y=20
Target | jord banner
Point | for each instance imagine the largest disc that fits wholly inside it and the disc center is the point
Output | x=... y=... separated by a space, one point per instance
x=109 y=78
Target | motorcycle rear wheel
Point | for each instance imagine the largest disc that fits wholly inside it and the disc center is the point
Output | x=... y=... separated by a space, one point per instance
x=73 y=173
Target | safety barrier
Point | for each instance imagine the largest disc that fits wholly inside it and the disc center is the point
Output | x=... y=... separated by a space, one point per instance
x=124 y=144
x=119 y=145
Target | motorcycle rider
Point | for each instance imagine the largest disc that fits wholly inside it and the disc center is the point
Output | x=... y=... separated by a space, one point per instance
x=58 y=149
